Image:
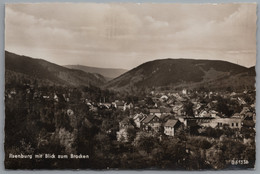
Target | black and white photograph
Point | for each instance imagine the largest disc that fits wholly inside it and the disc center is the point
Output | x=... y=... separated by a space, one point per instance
x=130 y=86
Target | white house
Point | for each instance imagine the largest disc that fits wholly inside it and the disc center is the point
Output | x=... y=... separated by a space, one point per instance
x=138 y=118
x=170 y=127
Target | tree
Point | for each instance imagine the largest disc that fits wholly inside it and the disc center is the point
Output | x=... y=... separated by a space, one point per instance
x=222 y=107
x=211 y=132
x=149 y=101
x=131 y=133
x=147 y=143
x=188 y=108
x=174 y=153
x=204 y=144
x=248 y=99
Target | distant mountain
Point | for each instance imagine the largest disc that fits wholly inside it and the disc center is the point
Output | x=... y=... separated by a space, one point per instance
x=109 y=73
x=188 y=73
x=25 y=67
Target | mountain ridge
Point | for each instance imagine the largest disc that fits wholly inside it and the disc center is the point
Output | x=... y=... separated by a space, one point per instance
x=175 y=72
x=44 y=70
x=109 y=73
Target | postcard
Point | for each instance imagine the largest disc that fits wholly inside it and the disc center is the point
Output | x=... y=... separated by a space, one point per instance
x=130 y=86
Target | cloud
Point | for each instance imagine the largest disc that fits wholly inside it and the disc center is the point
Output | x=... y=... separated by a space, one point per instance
x=155 y=23
x=125 y=35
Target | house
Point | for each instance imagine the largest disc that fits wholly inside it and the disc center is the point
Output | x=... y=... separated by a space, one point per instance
x=88 y=104
x=236 y=115
x=197 y=106
x=166 y=117
x=119 y=105
x=195 y=121
x=213 y=113
x=165 y=110
x=156 y=112
x=122 y=134
x=36 y=95
x=45 y=97
x=215 y=102
x=138 y=118
x=252 y=106
x=244 y=110
x=178 y=109
x=59 y=98
x=170 y=102
x=13 y=92
x=106 y=105
x=125 y=123
x=70 y=112
x=181 y=99
x=56 y=98
x=170 y=127
x=233 y=94
x=241 y=101
x=210 y=94
x=66 y=97
x=232 y=122
x=204 y=113
x=151 y=123
x=164 y=98
x=128 y=106
x=141 y=103
x=209 y=106
x=93 y=108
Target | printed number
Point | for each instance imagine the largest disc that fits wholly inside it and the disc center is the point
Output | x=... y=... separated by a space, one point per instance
x=237 y=162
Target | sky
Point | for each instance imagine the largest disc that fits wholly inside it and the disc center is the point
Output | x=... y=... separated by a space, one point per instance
x=125 y=35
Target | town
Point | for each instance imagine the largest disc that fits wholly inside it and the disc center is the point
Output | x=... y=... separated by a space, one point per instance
x=201 y=124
